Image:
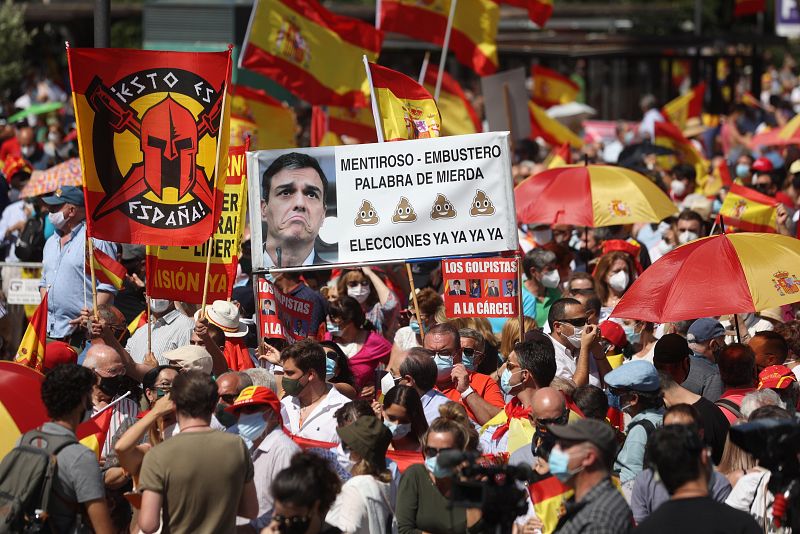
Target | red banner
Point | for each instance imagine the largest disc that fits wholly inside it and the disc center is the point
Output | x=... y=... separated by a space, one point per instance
x=485 y=287
x=269 y=323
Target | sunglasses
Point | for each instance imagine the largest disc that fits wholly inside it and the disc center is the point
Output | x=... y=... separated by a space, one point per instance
x=574 y=322
x=229 y=399
x=469 y=352
x=430 y=452
x=560 y=420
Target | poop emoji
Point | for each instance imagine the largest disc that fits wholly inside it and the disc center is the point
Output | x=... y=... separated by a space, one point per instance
x=404 y=212
x=366 y=216
x=481 y=205
x=442 y=208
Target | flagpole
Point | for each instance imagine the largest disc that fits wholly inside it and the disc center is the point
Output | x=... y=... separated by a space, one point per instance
x=445 y=46
x=424 y=70
x=377 y=14
x=149 y=325
x=520 y=311
x=376 y=116
x=414 y=299
x=86 y=253
x=94 y=279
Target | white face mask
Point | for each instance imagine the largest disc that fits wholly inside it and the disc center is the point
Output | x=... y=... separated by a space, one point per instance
x=686 y=236
x=677 y=187
x=551 y=279
x=159 y=305
x=618 y=281
x=542 y=237
x=663 y=247
x=360 y=293
x=57 y=219
x=575 y=338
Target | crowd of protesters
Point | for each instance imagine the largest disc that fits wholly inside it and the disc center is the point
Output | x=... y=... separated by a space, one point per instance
x=214 y=429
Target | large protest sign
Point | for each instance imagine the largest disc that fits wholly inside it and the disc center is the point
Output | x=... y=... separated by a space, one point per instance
x=382 y=202
x=269 y=324
x=480 y=287
x=284 y=316
x=177 y=273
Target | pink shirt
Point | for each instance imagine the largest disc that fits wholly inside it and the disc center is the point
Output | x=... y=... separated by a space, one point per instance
x=734 y=395
x=364 y=362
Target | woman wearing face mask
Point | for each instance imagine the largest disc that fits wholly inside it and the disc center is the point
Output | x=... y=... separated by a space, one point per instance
x=357 y=338
x=641 y=339
x=376 y=299
x=337 y=369
x=404 y=417
x=614 y=274
x=410 y=336
x=303 y=494
x=367 y=499
x=424 y=494
x=669 y=239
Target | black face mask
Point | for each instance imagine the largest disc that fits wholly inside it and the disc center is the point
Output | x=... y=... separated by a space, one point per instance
x=113 y=385
x=293 y=525
x=764 y=189
x=226 y=419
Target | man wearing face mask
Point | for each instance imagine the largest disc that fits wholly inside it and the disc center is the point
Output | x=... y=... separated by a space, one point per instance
x=478 y=393
x=706 y=339
x=418 y=370
x=170 y=329
x=229 y=386
x=582 y=459
x=64 y=277
x=683 y=181
x=690 y=226
x=258 y=419
x=578 y=359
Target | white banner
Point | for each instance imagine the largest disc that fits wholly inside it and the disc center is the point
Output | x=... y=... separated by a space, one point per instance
x=426 y=198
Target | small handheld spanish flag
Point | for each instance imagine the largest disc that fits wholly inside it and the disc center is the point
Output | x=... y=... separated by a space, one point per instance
x=749 y=210
x=107 y=269
x=31 y=348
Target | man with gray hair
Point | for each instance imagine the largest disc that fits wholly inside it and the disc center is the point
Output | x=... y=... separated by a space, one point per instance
x=419 y=371
x=542 y=284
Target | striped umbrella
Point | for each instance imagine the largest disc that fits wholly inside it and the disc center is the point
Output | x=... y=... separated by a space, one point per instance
x=590 y=195
x=21 y=407
x=52 y=179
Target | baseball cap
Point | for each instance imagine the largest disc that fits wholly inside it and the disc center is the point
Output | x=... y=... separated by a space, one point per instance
x=763 y=164
x=68 y=194
x=776 y=377
x=256 y=396
x=671 y=348
x=57 y=353
x=190 y=358
x=704 y=329
x=638 y=375
x=596 y=432
x=614 y=333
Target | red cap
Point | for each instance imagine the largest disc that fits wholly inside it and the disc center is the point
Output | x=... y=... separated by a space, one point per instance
x=614 y=333
x=776 y=377
x=15 y=164
x=58 y=352
x=762 y=164
x=254 y=396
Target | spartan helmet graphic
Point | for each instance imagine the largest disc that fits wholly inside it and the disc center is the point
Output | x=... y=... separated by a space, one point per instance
x=169 y=145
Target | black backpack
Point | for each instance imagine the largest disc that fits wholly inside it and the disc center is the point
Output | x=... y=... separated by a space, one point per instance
x=30 y=243
x=26 y=481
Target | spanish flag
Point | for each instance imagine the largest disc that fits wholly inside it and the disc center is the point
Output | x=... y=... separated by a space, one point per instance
x=108 y=270
x=92 y=433
x=749 y=210
x=138 y=321
x=539 y=11
x=548 y=497
x=310 y=51
x=551 y=88
x=681 y=109
x=268 y=122
x=743 y=8
x=561 y=157
x=406 y=109
x=330 y=125
x=549 y=129
x=473 y=35
x=750 y=101
x=458 y=116
x=669 y=136
x=31 y=348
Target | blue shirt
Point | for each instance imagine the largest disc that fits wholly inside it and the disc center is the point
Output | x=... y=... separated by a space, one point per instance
x=64 y=276
x=630 y=460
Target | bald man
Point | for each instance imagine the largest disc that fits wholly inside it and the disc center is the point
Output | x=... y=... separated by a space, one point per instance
x=770 y=348
x=548 y=407
x=229 y=385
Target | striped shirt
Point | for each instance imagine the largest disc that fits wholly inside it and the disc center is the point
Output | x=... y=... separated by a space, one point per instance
x=602 y=509
x=123 y=416
x=169 y=332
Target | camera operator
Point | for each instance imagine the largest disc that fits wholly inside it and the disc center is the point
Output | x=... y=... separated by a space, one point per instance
x=582 y=459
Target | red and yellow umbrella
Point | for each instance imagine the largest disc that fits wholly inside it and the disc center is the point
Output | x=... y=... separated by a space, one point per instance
x=590 y=195
x=717 y=275
x=21 y=407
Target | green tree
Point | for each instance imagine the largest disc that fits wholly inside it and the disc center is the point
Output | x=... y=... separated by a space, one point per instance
x=13 y=40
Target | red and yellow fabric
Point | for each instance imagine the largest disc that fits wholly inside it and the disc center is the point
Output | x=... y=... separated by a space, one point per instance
x=407 y=110
x=549 y=129
x=403 y=459
x=684 y=107
x=138 y=321
x=590 y=195
x=473 y=36
x=717 y=275
x=269 y=123
x=751 y=101
x=789 y=134
x=512 y=420
x=561 y=157
x=669 y=136
x=107 y=270
x=551 y=88
x=178 y=273
x=458 y=116
x=743 y=8
x=310 y=51
x=539 y=11
x=179 y=103
x=31 y=349
x=332 y=125
x=21 y=407
x=92 y=433
x=548 y=497
x=749 y=210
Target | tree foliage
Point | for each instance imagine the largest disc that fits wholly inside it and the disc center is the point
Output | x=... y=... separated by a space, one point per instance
x=13 y=40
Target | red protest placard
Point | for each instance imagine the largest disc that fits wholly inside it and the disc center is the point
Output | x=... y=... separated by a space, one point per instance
x=269 y=322
x=281 y=315
x=484 y=287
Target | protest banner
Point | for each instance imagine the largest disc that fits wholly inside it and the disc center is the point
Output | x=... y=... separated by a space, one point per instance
x=284 y=316
x=176 y=273
x=269 y=324
x=423 y=198
x=480 y=287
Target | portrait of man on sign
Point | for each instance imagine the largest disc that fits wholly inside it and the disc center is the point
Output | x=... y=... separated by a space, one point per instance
x=293 y=205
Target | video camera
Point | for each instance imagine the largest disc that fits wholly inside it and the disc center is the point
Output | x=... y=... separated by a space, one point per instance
x=775 y=444
x=492 y=488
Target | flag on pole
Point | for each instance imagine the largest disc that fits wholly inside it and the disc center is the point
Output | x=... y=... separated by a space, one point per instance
x=268 y=122
x=31 y=348
x=406 y=109
x=473 y=35
x=549 y=129
x=330 y=123
x=539 y=11
x=561 y=157
x=458 y=116
x=749 y=210
x=551 y=88
x=743 y=8
x=669 y=136
x=138 y=321
x=310 y=51
x=153 y=132
x=548 y=497
x=93 y=433
x=107 y=270
x=681 y=109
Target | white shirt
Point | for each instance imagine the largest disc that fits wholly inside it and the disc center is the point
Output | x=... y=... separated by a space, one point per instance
x=566 y=363
x=13 y=214
x=430 y=404
x=169 y=332
x=647 y=128
x=362 y=507
x=320 y=424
